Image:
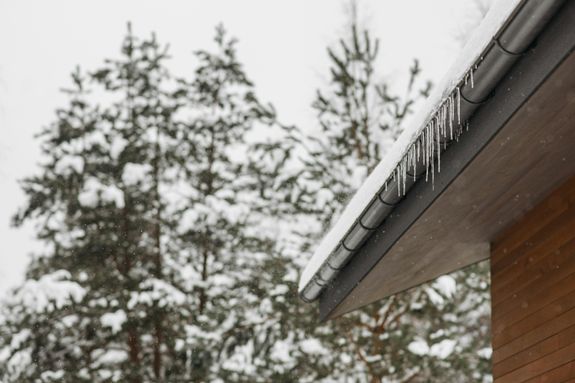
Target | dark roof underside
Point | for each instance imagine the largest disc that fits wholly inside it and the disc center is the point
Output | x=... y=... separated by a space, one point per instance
x=518 y=148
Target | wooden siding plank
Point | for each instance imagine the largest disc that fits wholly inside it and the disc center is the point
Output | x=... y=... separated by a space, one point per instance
x=527 y=304
x=556 y=233
x=550 y=328
x=505 y=333
x=535 y=352
x=535 y=221
x=561 y=374
x=540 y=366
x=534 y=269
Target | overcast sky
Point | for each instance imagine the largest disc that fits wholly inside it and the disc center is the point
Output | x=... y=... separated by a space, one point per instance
x=282 y=45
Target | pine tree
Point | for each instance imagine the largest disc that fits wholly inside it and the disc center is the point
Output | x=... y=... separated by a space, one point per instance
x=235 y=210
x=157 y=201
x=418 y=335
x=99 y=205
x=234 y=154
x=174 y=214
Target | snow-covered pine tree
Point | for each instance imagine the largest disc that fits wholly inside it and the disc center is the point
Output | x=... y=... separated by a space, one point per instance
x=100 y=303
x=231 y=219
x=417 y=335
x=160 y=204
x=221 y=210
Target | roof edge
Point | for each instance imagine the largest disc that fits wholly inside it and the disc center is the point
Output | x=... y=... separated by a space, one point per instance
x=511 y=30
x=553 y=47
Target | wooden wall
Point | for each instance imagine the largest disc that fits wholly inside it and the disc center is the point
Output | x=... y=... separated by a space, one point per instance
x=533 y=294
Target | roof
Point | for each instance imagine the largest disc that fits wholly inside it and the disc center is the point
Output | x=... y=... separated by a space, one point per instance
x=498 y=43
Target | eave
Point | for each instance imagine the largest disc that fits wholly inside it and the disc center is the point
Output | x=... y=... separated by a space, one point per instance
x=494 y=173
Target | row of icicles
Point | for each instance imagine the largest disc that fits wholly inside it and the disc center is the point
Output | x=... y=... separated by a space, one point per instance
x=444 y=126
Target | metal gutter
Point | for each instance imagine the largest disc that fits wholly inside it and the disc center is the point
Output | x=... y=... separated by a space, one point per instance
x=512 y=41
x=553 y=47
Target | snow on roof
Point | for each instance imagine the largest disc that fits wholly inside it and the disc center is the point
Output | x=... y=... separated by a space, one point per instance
x=470 y=55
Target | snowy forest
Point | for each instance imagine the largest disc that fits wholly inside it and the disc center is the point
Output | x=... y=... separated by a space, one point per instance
x=176 y=212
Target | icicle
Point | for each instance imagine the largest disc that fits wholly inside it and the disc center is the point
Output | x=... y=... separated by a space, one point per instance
x=431 y=147
x=458 y=106
x=410 y=163
x=424 y=149
x=398 y=180
x=441 y=132
x=414 y=162
x=428 y=165
x=440 y=126
x=432 y=174
x=451 y=117
x=404 y=175
x=448 y=126
x=438 y=152
x=415 y=158
x=445 y=126
x=446 y=123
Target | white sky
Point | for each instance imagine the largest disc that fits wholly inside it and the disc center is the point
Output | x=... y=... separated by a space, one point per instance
x=281 y=43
